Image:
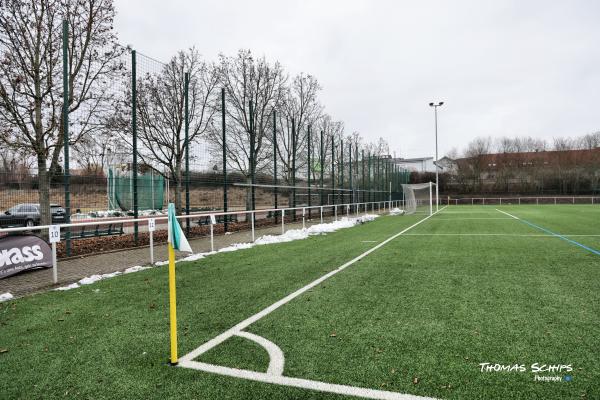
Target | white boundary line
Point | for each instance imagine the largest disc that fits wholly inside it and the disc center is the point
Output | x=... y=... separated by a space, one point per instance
x=505 y=213
x=499 y=234
x=187 y=361
x=469 y=218
x=302 y=383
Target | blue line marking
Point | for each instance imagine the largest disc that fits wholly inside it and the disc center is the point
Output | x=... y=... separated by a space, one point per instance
x=583 y=246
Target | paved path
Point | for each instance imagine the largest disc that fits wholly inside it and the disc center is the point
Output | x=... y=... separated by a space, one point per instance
x=72 y=270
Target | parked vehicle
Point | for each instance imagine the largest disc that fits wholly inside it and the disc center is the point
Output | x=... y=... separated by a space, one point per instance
x=28 y=215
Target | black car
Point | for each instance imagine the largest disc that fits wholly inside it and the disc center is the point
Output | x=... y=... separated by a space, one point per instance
x=28 y=214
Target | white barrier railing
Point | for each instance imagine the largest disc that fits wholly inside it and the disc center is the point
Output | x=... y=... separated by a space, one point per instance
x=538 y=200
x=151 y=222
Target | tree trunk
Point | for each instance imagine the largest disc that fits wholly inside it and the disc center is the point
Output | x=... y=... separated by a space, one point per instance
x=44 y=191
x=249 y=193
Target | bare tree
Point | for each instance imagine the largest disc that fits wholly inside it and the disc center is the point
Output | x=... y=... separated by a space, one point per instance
x=246 y=79
x=30 y=76
x=301 y=108
x=161 y=114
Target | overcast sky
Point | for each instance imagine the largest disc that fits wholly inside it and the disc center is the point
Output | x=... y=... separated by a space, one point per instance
x=502 y=67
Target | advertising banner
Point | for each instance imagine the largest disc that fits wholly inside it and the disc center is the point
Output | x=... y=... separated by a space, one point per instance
x=20 y=253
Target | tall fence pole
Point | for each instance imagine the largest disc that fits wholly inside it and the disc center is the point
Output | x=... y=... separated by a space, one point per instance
x=65 y=122
x=186 y=90
x=332 y=168
x=294 y=168
x=322 y=166
x=388 y=181
x=252 y=157
x=308 y=170
x=362 y=183
x=225 y=217
x=356 y=173
x=134 y=142
x=341 y=168
x=275 y=161
x=350 y=183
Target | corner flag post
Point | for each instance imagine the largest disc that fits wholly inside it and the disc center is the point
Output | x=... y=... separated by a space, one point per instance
x=177 y=241
x=172 y=305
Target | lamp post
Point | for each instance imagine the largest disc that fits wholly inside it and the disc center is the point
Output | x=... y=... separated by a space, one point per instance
x=437 y=187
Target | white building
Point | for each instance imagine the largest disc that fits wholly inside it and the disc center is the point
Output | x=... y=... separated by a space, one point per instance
x=420 y=164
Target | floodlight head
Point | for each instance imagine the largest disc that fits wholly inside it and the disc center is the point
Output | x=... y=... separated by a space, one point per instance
x=430 y=104
x=441 y=103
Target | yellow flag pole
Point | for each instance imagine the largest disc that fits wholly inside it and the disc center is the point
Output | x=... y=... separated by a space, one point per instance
x=172 y=305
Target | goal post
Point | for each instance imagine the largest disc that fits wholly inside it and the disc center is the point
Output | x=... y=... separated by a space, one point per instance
x=419 y=198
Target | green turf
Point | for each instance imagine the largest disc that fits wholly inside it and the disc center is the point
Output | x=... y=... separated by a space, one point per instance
x=430 y=305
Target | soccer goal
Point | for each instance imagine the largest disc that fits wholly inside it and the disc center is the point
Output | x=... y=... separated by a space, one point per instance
x=419 y=198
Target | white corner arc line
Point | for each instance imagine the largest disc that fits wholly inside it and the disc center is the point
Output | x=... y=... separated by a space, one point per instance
x=276 y=358
x=252 y=319
x=300 y=383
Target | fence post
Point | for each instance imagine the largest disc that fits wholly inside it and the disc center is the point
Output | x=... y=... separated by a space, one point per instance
x=282 y=221
x=303 y=217
x=253 y=226
x=252 y=157
x=65 y=122
x=350 y=173
x=308 y=170
x=342 y=168
x=369 y=176
x=225 y=216
x=362 y=183
x=322 y=166
x=134 y=142
x=294 y=169
x=332 y=169
x=54 y=237
x=151 y=227
x=275 y=162
x=212 y=237
x=186 y=85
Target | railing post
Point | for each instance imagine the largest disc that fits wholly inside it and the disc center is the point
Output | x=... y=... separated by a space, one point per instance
x=151 y=227
x=321 y=214
x=253 y=225
x=212 y=235
x=282 y=221
x=303 y=218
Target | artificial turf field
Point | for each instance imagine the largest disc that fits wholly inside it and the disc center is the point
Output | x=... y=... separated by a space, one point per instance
x=418 y=315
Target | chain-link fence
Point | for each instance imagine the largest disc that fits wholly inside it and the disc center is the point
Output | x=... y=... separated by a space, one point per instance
x=141 y=133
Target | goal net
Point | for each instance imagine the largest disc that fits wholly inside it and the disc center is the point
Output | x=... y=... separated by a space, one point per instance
x=419 y=198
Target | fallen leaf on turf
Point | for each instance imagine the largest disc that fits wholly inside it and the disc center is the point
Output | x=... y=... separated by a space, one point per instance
x=3 y=350
x=332 y=334
x=415 y=380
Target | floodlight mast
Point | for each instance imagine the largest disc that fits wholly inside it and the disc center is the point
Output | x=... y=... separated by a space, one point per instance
x=437 y=190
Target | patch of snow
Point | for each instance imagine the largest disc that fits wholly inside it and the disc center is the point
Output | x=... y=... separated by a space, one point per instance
x=5 y=297
x=68 y=287
x=136 y=269
x=88 y=280
x=236 y=247
x=396 y=211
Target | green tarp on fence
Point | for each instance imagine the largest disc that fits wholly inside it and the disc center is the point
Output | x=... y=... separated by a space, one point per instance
x=151 y=191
